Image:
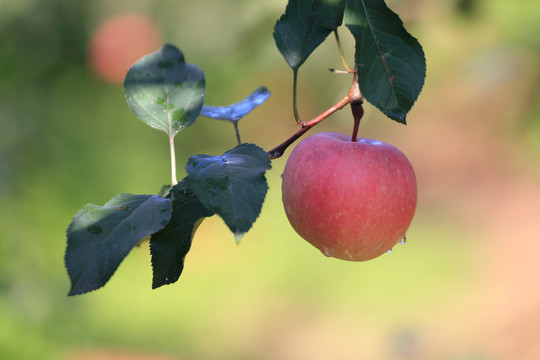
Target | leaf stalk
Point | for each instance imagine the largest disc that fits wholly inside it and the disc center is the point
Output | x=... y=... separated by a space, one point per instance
x=235 y=124
x=341 y=52
x=295 y=106
x=174 y=180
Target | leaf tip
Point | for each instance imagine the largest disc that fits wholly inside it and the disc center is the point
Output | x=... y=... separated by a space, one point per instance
x=398 y=114
x=238 y=237
x=77 y=290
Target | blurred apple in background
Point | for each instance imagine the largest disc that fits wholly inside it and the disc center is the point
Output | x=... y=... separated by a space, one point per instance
x=119 y=42
x=351 y=200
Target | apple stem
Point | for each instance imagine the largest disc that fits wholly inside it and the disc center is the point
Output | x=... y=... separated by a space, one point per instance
x=358 y=112
x=354 y=97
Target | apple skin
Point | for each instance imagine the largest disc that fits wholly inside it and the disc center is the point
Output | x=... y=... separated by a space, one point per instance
x=351 y=200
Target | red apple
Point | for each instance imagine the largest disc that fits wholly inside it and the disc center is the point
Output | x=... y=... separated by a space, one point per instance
x=351 y=200
x=119 y=42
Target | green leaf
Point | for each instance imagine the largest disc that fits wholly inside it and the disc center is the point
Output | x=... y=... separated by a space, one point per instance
x=100 y=237
x=236 y=111
x=232 y=185
x=391 y=62
x=297 y=33
x=170 y=245
x=164 y=91
x=329 y=13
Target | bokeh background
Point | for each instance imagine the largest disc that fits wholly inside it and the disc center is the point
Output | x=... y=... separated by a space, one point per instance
x=464 y=287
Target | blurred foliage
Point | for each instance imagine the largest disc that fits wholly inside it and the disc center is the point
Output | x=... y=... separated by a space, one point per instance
x=68 y=138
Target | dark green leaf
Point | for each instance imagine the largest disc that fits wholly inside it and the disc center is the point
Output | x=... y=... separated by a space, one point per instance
x=391 y=62
x=329 y=13
x=164 y=91
x=170 y=245
x=232 y=185
x=237 y=110
x=297 y=33
x=100 y=237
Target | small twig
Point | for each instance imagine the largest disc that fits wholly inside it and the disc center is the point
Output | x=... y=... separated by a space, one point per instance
x=354 y=96
x=280 y=149
x=338 y=106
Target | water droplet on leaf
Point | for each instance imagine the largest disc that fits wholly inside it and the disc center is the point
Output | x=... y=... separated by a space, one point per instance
x=389 y=251
x=403 y=240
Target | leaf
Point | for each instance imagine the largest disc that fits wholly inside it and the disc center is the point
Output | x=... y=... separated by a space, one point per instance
x=164 y=91
x=232 y=185
x=297 y=33
x=391 y=62
x=236 y=111
x=100 y=237
x=329 y=13
x=170 y=245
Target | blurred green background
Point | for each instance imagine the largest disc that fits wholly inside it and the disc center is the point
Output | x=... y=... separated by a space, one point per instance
x=465 y=285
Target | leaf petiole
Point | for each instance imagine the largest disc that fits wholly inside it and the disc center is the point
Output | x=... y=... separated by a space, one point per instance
x=295 y=106
x=235 y=124
x=174 y=180
x=341 y=53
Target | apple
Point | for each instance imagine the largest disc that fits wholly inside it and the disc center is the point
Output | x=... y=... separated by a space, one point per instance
x=351 y=200
x=119 y=42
